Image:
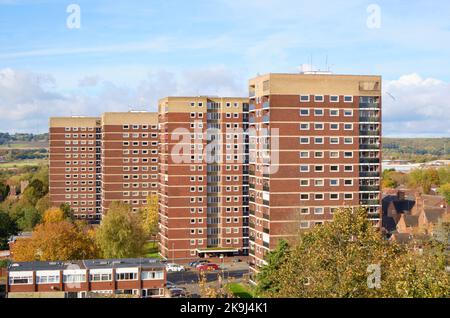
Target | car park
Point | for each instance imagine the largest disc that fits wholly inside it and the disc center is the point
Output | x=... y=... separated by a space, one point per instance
x=197 y=262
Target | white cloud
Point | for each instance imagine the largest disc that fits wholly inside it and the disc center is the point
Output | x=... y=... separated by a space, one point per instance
x=27 y=100
x=416 y=106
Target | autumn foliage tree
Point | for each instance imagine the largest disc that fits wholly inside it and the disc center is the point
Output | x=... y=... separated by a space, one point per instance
x=337 y=259
x=121 y=234
x=57 y=240
x=150 y=216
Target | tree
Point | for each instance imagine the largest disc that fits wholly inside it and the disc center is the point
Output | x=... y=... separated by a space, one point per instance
x=28 y=219
x=424 y=179
x=150 y=216
x=338 y=259
x=43 y=204
x=121 y=234
x=266 y=281
x=53 y=215
x=7 y=228
x=4 y=191
x=35 y=190
x=444 y=190
x=57 y=241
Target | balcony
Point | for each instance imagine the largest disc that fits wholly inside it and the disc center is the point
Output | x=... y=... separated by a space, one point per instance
x=252 y=107
x=266 y=187
x=266 y=119
x=369 y=146
x=371 y=119
x=265 y=244
x=369 y=202
x=369 y=105
x=266 y=230
x=266 y=105
x=266 y=202
x=369 y=174
x=369 y=133
x=369 y=160
x=266 y=216
x=369 y=188
x=251 y=199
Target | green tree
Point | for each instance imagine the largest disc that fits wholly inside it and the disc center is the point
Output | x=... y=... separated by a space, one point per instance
x=7 y=228
x=4 y=191
x=43 y=204
x=35 y=190
x=444 y=190
x=267 y=281
x=29 y=218
x=337 y=258
x=121 y=234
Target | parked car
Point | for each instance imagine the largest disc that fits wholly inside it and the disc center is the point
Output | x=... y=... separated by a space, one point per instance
x=208 y=267
x=170 y=285
x=177 y=293
x=237 y=260
x=197 y=262
x=172 y=267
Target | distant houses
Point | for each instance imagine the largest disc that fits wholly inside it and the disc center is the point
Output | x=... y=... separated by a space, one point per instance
x=411 y=216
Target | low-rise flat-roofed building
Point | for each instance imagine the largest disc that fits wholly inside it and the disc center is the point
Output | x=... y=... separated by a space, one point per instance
x=144 y=278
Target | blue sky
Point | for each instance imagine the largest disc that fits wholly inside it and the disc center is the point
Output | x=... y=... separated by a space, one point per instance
x=127 y=54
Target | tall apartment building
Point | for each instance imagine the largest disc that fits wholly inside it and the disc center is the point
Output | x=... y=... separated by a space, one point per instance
x=129 y=158
x=75 y=165
x=315 y=145
x=95 y=161
x=203 y=190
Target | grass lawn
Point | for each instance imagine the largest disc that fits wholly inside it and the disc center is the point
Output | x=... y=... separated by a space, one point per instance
x=151 y=250
x=22 y=163
x=25 y=145
x=240 y=291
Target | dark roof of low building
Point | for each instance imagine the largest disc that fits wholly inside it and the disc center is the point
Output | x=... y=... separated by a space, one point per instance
x=124 y=262
x=87 y=264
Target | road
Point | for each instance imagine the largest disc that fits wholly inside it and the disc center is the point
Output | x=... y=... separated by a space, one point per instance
x=189 y=279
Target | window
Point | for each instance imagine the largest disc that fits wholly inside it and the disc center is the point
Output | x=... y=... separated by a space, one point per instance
x=334 y=196
x=334 y=154
x=304 y=98
x=304 y=210
x=100 y=277
x=152 y=275
x=318 y=126
x=304 y=112
x=304 y=126
x=348 y=140
x=334 y=99
x=318 y=169
x=304 y=140
x=318 y=98
x=334 y=126
x=47 y=278
x=348 y=112
x=304 y=196
x=348 y=196
x=318 y=196
x=74 y=278
x=126 y=276
x=334 y=112
x=319 y=210
x=318 y=112
x=334 y=140
x=21 y=279
x=304 y=168
x=304 y=224
x=318 y=140
x=304 y=154
x=334 y=182
x=348 y=99
x=304 y=182
x=348 y=126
